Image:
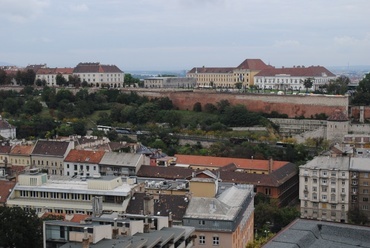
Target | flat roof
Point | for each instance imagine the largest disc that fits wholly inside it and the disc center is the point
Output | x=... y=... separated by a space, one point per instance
x=328 y=163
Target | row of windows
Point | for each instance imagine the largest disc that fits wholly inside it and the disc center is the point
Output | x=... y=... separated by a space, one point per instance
x=215 y=240
x=55 y=195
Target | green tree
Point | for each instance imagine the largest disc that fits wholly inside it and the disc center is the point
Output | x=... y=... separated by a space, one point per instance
x=197 y=107
x=308 y=83
x=339 y=86
x=79 y=127
x=356 y=216
x=60 y=80
x=20 y=228
x=32 y=107
x=146 y=112
x=131 y=81
x=362 y=95
x=238 y=85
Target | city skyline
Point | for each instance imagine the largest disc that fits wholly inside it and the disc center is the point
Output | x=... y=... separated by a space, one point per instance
x=180 y=35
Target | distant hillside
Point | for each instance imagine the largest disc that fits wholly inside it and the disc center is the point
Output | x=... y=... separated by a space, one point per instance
x=4 y=63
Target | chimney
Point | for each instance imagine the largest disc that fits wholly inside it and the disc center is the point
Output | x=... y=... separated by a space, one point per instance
x=85 y=240
x=115 y=229
x=271 y=162
x=146 y=225
x=170 y=220
x=148 y=204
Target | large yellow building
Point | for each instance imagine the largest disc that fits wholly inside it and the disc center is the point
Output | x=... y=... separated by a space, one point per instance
x=227 y=77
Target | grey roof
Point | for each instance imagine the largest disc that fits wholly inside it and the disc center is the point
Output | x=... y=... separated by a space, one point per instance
x=120 y=159
x=225 y=207
x=311 y=233
x=360 y=164
x=326 y=162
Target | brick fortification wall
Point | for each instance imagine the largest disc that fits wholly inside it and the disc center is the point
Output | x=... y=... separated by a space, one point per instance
x=292 y=105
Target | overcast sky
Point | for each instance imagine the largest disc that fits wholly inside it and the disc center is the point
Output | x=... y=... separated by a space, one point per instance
x=182 y=34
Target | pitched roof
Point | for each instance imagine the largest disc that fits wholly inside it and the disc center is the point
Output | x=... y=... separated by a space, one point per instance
x=4 y=149
x=274 y=179
x=299 y=71
x=338 y=115
x=96 y=68
x=211 y=70
x=84 y=156
x=21 y=150
x=176 y=204
x=5 y=125
x=5 y=188
x=253 y=64
x=240 y=163
x=121 y=159
x=50 y=148
x=66 y=70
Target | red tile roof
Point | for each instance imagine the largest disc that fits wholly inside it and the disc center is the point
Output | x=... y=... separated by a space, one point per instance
x=5 y=149
x=240 y=163
x=64 y=70
x=76 y=218
x=5 y=187
x=212 y=70
x=21 y=150
x=299 y=71
x=84 y=156
x=50 y=148
x=55 y=71
x=96 y=68
x=253 y=64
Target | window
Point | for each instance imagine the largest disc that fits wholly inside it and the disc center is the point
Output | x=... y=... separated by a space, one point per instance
x=202 y=239
x=315 y=180
x=202 y=222
x=366 y=175
x=365 y=207
x=365 y=191
x=365 y=199
x=306 y=179
x=323 y=197
x=366 y=183
x=324 y=181
x=333 y=174
x=333 y=206
x=324 y=189
x=324 y=173
x=67 y=166
x=332 y=198
x=332 y=190
x=216 y=240
x=314 y=189
x=343 y=174
x=332 y=182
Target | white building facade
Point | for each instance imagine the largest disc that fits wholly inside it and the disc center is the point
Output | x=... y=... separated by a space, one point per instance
x=324 y=189
x=293 y=78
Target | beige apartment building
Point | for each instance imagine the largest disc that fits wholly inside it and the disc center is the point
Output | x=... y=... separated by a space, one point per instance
x=324 y=188
x=227 y=77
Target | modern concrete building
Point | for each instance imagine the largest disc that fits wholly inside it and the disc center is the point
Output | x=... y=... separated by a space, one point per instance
x=227 y=77
x=119 y=231
x=67 y=195
x=324 y=188
x=225 y=219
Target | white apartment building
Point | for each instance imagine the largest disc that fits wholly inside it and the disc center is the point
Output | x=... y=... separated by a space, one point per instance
x=292 y=78
x=98 y=75
x=324 y=188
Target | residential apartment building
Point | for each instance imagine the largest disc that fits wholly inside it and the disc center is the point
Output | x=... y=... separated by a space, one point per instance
x=227 y=77
x=49 y=75
x=49 y=155
x=225 y=219
x=67 y=195
x=82 y=163
x=359 y=193
x=293 y=78
x=324 y=188
x=20 y=155
x=170 y=82
x=99 y=75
